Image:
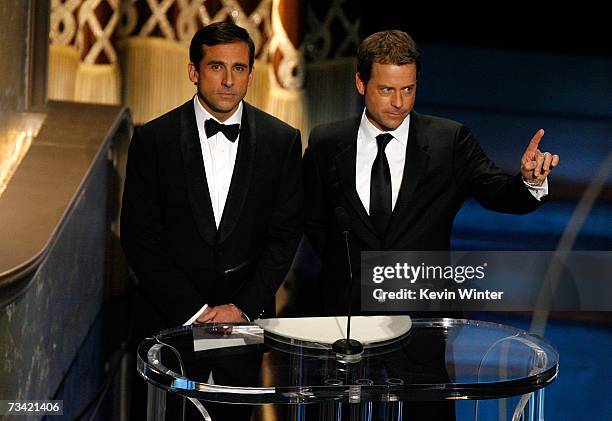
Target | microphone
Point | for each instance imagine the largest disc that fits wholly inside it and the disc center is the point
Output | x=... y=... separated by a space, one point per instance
x=347 y=347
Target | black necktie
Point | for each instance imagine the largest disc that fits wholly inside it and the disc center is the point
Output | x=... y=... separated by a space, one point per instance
x=231 y=131
x=380 y=187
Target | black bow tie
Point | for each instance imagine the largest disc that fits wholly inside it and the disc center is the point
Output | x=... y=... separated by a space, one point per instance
x=231 y=131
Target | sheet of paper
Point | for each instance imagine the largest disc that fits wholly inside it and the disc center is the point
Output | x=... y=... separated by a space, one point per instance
x=206 y=344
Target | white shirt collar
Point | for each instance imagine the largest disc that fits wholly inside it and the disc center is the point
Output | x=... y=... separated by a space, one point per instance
x=370 y=131
x=202 y=113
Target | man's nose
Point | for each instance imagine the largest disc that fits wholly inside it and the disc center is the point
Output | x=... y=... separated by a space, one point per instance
x=228 y=81
x=397 y=100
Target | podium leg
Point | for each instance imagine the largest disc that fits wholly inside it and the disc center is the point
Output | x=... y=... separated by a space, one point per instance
x=366 y=411
x=540 y=404
x=396 y=410
x=530 y=407
x=343 y=411
x=203 y=412
x=156 y=403
x=392 y=411
x=330 y=411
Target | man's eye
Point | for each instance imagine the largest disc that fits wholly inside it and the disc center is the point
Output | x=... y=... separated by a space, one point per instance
x=385 y=90
x=409 y=89
x=239 y=68
x=215 y=66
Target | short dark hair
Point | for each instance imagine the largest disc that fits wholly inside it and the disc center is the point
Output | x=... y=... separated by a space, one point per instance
x=386 y=47
x=219 y=33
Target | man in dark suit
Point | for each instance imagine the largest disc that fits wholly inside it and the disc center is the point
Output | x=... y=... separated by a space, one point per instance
x=401 y=176
x=212 y=207
x=212 y=215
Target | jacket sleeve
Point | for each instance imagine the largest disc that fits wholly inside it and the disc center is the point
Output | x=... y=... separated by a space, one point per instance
x=167 y=286
x=282 y=237
x=493 y=188
x=315 y=204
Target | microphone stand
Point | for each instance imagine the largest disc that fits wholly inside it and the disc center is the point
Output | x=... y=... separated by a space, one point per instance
x=348 y=347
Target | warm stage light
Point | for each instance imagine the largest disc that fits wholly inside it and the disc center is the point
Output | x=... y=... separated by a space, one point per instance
x=14 y=146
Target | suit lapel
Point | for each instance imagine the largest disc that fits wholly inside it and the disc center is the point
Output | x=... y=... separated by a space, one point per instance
x=345 y=163
x=243 y=170
x=195 y=176
x=415 y=165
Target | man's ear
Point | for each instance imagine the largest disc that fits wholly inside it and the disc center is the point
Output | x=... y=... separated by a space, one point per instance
x=250 y=81
x=193 y=73
x=360 y=84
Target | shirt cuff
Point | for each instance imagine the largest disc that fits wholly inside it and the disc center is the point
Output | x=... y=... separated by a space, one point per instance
x=195 y=316
x=242 y=313
x=538 y=191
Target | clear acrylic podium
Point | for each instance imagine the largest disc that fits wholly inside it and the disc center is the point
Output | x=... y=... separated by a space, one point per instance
x=437 y=360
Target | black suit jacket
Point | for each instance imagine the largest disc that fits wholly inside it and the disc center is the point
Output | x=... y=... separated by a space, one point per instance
x=168 y=230
x=444 y=165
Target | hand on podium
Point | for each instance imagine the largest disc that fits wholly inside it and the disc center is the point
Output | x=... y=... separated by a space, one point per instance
x=225 y=313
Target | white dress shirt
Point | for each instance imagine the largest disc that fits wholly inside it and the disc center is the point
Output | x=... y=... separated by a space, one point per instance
x=219 y=155
x=366 y=153
x=396 y=156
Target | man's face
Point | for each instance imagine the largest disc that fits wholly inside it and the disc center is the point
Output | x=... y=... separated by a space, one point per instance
x=389 y=94
x=222 y=78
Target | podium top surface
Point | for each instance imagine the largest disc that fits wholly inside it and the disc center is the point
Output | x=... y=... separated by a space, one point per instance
x=436 y=359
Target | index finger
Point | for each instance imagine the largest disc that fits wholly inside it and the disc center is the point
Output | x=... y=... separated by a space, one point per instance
x=535 y=141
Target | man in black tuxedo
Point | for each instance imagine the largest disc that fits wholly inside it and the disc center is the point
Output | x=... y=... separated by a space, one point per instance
x=211 y=211
x=401 y=176
x=212 y=207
